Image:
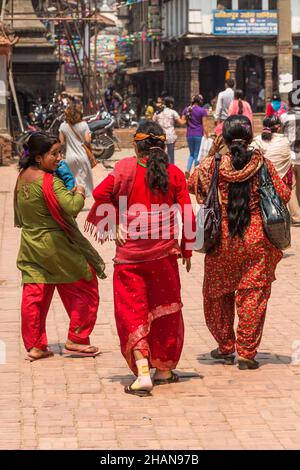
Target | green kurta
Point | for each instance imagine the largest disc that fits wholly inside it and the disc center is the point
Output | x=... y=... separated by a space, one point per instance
x=46 y=254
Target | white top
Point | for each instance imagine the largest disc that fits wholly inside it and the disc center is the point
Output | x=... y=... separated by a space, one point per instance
x=167 y=120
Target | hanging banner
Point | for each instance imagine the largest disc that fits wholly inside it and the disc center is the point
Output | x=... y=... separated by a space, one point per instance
x=245 y=23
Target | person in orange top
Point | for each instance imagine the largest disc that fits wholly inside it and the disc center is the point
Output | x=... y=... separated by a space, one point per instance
x=240 y=270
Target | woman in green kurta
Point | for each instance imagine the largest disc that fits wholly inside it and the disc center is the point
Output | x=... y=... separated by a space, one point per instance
x=53 y=252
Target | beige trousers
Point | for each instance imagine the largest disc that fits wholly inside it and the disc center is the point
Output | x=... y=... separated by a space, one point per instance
x=294 y=203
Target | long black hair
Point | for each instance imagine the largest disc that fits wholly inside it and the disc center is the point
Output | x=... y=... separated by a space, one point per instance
x=154 y=148
x=271 y=125
x=239 y=95
x=238 y=134
x=38 y=143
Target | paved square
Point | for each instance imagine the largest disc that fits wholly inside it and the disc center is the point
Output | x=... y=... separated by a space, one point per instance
x=66 y=403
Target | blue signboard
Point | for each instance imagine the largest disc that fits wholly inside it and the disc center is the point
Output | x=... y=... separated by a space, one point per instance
x=245 y=23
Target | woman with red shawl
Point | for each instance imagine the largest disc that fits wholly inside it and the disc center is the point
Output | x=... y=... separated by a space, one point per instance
x=240 y=270
x=53 y=252
x=148 y=307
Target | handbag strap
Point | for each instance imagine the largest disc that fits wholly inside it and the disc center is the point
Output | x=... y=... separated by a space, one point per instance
x=76 y=133
x=216 y=171
x=264 y=176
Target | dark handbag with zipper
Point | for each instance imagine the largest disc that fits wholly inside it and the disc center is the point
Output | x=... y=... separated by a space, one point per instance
x=275 y=215
x=209 y=217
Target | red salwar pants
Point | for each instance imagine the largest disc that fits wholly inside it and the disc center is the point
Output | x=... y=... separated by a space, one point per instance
x=251 y=306
x=148 y=311
x=80 y=299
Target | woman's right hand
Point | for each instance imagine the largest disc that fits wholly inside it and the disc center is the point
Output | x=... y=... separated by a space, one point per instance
x=120 y=241
x=80 y=189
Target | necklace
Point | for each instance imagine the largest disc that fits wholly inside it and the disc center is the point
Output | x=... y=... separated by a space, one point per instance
x=142 y=161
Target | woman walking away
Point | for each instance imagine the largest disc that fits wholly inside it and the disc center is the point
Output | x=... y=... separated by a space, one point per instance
x=167 y=119
x=240 y=106
x=75 y=132
x=276 y=148
x=195 y=118
x=240 y=270
x=146 y=279
x=53 y=252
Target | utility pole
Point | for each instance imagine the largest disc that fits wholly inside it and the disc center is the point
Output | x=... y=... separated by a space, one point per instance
x=285 y=48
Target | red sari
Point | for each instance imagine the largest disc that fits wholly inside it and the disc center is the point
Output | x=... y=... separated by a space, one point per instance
x=239 y=272
x=146 y=279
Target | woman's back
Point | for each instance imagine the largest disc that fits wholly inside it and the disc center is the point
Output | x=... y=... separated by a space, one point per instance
x=228 y=175
x=241 y=107
x=277 y=150
x=72 y=141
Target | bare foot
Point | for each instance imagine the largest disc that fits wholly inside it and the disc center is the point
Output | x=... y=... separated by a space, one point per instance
x=78 y=347
x=35 y=354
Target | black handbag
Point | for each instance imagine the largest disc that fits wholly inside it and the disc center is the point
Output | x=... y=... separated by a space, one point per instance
x=209 y=217
x=275 y=215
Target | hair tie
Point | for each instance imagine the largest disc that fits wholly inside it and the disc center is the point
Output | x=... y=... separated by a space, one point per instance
x=239 y=141
x=142 y=136
x=159 y=148
x=267 y=130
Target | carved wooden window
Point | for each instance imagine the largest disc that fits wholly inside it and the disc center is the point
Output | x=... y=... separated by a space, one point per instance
x=250 y=4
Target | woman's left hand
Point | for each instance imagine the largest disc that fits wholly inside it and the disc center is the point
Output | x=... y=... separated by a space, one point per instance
x=120 y=241
x=188 y=264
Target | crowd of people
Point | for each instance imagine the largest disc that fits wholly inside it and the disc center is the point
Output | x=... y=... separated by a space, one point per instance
x=238 y=270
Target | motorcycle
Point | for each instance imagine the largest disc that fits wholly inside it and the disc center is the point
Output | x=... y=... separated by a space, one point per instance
x=103 y=140
x=127 y=119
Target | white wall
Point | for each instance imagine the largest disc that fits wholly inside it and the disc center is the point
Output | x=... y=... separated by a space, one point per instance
x=295 y=16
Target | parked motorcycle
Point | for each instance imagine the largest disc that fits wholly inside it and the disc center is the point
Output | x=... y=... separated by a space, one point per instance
x=103 y=139
x=127 y=119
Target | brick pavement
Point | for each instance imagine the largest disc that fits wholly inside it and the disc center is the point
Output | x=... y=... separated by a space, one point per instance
x=62 y=403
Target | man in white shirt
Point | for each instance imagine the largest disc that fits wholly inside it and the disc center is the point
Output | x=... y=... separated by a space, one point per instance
x=291 y=129
x=224 y=100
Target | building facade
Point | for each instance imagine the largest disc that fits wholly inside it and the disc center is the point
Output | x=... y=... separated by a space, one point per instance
x=144 y=68
x=204 y=42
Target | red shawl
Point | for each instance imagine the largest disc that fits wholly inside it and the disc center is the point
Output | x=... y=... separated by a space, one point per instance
x=124 y=176
x=141 y=249
x=53 y=204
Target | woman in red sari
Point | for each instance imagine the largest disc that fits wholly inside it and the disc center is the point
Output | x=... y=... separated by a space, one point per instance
x=146 y=279
x=239 y=272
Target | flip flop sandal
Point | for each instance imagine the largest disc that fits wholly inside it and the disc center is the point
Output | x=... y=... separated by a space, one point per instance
x=139 y=393
x=173 y=379
x=45 y=356
x=80 y=352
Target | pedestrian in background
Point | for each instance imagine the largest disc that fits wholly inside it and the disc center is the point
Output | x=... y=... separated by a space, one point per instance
x=224 y=100
x=53 y=252
x=291 y=129
x=149 y=111
x=240 y=270
x=74 y=132
x=195 y=119
x=276 y=106
x=276 y=148
x=240 y=106
x=167 y=119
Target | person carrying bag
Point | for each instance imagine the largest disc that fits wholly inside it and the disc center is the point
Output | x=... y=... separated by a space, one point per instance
x=239 y=267
x=86 y=147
